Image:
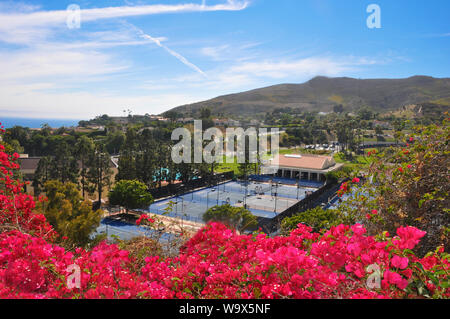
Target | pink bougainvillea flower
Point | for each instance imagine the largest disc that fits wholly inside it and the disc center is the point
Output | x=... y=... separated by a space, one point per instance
x=395 y=279
x=399 y=262
x=144 y=217
x=409 y=237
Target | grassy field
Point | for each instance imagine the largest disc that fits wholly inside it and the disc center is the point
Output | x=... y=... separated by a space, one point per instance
x=357 y=160
x=226 y=167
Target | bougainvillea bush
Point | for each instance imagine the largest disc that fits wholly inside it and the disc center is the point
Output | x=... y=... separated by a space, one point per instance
x=408 y=186
x=217 y=262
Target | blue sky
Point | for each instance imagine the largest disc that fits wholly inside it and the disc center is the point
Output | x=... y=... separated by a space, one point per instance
x=151 y=55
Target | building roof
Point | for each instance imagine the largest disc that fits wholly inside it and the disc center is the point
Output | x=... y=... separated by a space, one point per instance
x=29 y=163
x=306 y=161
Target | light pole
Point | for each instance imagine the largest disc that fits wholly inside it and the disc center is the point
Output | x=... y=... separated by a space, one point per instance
x=276 y=195
x=182 y=205
x=207 y=198
x=218 y=192
x=245 y=200
x=182 y=199
x=246 y=190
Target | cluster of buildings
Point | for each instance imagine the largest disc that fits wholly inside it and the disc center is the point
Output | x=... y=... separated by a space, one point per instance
x=223 y=122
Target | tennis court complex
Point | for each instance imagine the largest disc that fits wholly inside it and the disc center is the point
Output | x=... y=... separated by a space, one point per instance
x=263 y=199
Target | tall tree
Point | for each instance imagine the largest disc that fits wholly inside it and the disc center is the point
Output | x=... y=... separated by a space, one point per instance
x=114 y=141
x=146 y=159
x=42 y=174
x=345 y=133
x=247 y=166
x=205 y=113
x=378 y=130
x=205 y=116
x=19 y=133
x=38 y=144
x=162 y=152
x=64 y=164
x=127 y=159
x=338 y=108
x=100 y=172
x=84 y=150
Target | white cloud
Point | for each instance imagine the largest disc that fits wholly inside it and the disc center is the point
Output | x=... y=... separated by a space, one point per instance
x=443 y=35
x=38 y=19
x=18 y=6
x=156 y=96
x=84 y=104
x=228 y=52
x=306 y=67
x=250 y=74
x=42 y=63
x=243 y=76
x=23 y=27
x=216 y=53
x=38 y=75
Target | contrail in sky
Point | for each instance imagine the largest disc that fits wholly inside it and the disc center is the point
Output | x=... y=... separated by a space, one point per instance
x=181 y=58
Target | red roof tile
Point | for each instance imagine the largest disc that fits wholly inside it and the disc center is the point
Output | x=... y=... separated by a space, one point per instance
x=303 y=161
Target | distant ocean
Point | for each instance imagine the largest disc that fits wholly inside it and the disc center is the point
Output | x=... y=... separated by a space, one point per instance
x=9 y=122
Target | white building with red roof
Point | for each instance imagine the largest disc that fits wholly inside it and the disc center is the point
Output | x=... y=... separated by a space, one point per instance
x=305 y=166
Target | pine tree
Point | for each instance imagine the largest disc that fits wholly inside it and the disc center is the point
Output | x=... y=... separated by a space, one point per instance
x=100 y=172
x=84 y=150
x=42 y=174
x=64 y=164
x=146 y=159
x=127 y=159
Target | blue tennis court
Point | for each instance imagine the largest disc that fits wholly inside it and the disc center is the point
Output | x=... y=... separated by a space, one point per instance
x=261 y=198
x=125 y=231
x=287 y=181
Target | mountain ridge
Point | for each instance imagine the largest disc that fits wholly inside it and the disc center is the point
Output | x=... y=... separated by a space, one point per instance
x=321 y=93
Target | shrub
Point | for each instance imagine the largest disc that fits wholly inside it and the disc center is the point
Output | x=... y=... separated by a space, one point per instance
x=409 y=186
x=234 y=217
x=130 y=194
x=69 y=215
x=317 y=218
